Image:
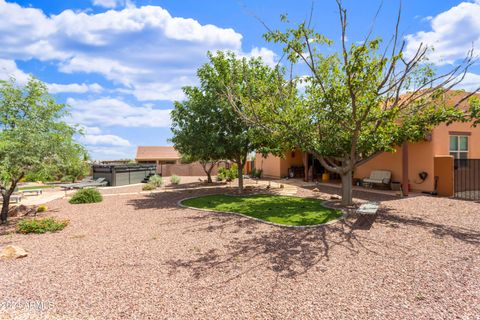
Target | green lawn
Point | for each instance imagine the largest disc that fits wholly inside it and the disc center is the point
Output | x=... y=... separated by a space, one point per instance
x=291 y=211
x=34 y=187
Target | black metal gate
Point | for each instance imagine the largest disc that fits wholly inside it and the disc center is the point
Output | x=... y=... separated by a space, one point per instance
x=467 y=179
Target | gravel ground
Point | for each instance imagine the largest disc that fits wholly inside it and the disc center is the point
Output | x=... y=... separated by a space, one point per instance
x=142 y=257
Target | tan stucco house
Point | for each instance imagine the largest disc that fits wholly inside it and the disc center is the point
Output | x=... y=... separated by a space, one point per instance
x=434 y=155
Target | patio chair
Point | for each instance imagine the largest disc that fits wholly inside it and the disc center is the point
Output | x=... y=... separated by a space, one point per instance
x=378 y=177
x=100 y=182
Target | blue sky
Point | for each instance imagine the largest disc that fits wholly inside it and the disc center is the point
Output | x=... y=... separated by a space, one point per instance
x=121 y=64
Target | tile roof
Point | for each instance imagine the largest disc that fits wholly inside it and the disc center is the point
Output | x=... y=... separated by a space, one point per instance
x=156 y=153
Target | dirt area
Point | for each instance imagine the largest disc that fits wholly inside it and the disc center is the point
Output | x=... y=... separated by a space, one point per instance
x=141 y=256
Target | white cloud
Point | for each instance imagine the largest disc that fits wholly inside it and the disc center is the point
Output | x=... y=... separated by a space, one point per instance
x=74 y=88
x=470 y=83
x=106 y=139
x=454 y=32
x=8 y=69
x=114 y=112
x=110 y=4
x=111 y=153
x=106 y=3
x=267 y=55
x=144 y=50
x=91 y=130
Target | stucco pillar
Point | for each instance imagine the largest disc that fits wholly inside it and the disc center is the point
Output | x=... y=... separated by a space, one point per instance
x=405 y=168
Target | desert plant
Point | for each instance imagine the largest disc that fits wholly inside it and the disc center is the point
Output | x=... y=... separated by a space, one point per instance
x=256 y=174
x=232 y=172
x=227 y=174
x=175 y=180
x=42 y=208
x=67 y=179
x=156 y=181
x=41 y=225
x=149 y=186
x=222 y=174
x=86 y=196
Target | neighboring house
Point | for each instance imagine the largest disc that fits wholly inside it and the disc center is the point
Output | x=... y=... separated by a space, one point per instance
x=435 y=156
x=157 y=155
x=168 y=161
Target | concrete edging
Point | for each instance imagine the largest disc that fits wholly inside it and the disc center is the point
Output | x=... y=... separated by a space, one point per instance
x=325 y=203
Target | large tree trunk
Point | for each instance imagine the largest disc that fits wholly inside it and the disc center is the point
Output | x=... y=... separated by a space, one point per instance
x=6 y=193
x=347 y=188
x=5 y=206
x=209 y=175
x=208 y=171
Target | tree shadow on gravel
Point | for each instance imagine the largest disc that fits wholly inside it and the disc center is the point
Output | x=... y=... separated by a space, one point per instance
x=394 y=220
x=168 y=199
x=249 y=245
x=287 y=252
x=293 y=252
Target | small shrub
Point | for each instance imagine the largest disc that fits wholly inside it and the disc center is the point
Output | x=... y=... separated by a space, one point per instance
x=86 y=196
x=256 y=174
x=227 y=174
x=41 y=225
x=149 y=186
x=222 y=174
x=233 y=173
x=67 y=179
x=175 y=180
x=156 y=181
x=42 y=208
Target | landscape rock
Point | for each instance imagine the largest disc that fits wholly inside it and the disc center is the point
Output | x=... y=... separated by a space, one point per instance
x=17 y=210
x=13 y=252
x=22 y=210
x=335 y=197
x=316 y=190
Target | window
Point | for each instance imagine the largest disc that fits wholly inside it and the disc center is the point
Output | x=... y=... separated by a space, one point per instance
x=459 y=146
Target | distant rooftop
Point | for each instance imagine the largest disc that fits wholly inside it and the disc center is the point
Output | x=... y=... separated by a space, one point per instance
x=156 y=153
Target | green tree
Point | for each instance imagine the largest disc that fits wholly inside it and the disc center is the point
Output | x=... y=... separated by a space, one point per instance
x=73 y=161
x=211 y=110
x=32 y=132
x=197 y=129
x=358 y=102
x=474 y=111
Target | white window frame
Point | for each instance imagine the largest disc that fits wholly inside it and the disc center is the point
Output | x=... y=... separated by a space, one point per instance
x=456 y=153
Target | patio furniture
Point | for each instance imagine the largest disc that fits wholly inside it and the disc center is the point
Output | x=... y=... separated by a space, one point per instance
x=369 y=208
x=378 y=177
x=100 y=182
x=32 y=191
x=14 y=198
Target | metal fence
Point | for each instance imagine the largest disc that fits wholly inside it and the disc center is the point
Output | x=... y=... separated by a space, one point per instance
x=467 y=179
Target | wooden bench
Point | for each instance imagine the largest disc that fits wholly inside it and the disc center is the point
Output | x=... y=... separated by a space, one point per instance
x=15 y=198
x=33 y=191
x=378 y=177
